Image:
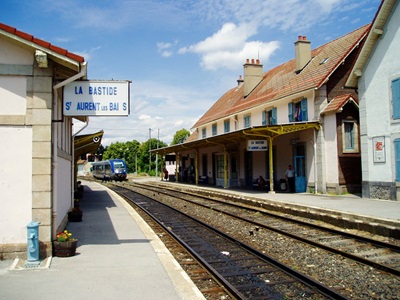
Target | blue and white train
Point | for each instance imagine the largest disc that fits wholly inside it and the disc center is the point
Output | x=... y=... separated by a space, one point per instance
x=112 y=169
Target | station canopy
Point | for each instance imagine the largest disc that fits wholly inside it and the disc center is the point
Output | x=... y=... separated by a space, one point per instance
x=88 y=143
x=232 y=138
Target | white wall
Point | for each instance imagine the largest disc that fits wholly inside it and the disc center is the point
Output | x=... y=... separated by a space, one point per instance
x=331 y=154
x=63 y=201
x=15 y=183
x=12 y=90
x=375 y=103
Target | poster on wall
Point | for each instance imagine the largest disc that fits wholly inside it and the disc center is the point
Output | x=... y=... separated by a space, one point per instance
x=378 y=147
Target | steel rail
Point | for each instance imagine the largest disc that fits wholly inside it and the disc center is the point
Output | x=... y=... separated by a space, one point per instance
x=308 y=281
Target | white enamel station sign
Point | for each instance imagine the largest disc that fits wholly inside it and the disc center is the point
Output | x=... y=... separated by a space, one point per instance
x=96 y=98
x=257 y=145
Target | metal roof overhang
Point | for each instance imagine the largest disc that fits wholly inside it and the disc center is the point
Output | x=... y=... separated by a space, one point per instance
x=88 y=143
x=270 y=131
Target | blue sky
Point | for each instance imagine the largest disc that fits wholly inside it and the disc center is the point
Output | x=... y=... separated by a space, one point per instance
x=181 y=56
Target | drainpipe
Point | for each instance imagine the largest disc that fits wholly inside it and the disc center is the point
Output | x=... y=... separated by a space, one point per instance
x=82 y=73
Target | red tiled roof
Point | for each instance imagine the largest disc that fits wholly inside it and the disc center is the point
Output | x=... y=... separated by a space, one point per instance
x=282 y=81
x=41 y=43
x=337 y=103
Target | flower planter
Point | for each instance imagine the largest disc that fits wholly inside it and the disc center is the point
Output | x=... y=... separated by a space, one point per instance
x=75 y=216
x=64 y=249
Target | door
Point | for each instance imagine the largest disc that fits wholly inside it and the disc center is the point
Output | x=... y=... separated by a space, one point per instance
x=300 y=174
x=248 y=165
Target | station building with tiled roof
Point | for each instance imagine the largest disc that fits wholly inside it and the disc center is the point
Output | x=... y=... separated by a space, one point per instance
x=297 y=113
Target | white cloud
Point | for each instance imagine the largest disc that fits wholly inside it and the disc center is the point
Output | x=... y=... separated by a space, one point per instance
x=229 y=47
x=144 y=117
x=165 y=49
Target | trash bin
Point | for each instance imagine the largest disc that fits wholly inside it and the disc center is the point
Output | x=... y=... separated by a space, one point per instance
x=33 y=241
x=282 y=184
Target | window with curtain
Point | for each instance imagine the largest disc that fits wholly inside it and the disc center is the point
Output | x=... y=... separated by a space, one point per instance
x=350 y=136
x=297 y=111
x=204 y=133
x=214 y=129
x=227 y=126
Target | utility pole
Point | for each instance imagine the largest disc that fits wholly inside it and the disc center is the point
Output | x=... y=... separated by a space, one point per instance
x=149 y=150
x=158 y=138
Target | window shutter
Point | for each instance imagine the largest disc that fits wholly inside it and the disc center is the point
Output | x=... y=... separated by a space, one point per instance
x=396 y=98
x=274 y=120
x=264 y=117
x=290 y=111
x=397 y=157
x=304 y=112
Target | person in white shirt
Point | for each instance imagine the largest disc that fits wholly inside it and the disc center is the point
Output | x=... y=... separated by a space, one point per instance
x=289 y=176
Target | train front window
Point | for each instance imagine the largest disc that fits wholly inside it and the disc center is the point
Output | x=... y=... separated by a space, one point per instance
x=118 y=165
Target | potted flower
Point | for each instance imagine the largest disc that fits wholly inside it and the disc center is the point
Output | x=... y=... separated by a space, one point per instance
x=65 y=244
x=75 y=215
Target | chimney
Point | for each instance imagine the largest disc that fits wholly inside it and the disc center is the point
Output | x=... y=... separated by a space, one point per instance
x=252 y=75
x=303 y=52
x=240 y=80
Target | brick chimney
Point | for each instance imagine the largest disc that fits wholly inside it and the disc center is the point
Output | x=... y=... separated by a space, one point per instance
x=303 y=52
x=252 y=75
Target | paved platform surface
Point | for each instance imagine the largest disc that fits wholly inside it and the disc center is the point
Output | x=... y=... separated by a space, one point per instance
x=118 y=257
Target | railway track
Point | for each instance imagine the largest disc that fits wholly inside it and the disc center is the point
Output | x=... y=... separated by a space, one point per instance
x=380 y=255
x=243 y=271
x=346 y=274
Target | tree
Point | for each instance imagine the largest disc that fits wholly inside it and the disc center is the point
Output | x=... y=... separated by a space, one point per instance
x=149 y=160
x=127 y=151
x=180 y=136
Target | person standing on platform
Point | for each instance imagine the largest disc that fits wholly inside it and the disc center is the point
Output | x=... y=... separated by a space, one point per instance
x=165 y=174
x=289 y=175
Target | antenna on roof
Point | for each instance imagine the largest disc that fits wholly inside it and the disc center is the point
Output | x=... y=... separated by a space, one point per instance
x=258 y=54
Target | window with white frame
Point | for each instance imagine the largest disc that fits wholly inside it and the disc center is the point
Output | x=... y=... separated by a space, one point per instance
x=214 y=129
x=298 y=111
x=269 y=117
x=203 y=133
x=247 y=121
x=396 y=98
x=227 y=126
x=350 y=136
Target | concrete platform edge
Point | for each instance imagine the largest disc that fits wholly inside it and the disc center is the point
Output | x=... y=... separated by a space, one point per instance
x=182 y=282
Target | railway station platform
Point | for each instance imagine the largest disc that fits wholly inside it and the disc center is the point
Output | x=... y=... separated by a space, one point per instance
x=118 y=257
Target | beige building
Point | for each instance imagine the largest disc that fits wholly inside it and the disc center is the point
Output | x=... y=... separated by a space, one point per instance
x=37 y=147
